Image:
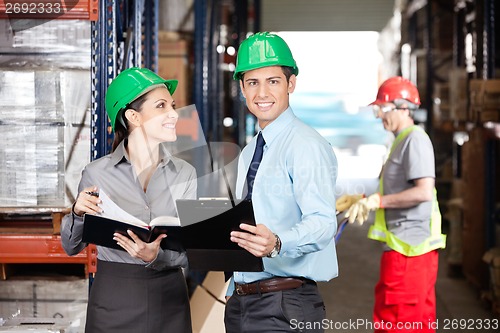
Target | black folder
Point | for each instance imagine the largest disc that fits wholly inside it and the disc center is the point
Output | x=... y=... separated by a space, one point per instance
x=204 y=234
x=206 y=227
x=99 y=230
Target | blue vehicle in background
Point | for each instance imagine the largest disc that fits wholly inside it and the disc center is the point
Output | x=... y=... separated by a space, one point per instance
x=327 y=113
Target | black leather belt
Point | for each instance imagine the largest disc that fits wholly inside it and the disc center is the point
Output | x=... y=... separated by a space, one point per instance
x=270 y=285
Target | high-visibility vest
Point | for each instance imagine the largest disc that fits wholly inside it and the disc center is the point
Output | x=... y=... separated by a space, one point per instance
x=378 y=231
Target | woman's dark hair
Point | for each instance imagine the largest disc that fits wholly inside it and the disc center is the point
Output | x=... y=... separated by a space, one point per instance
x=121 y=127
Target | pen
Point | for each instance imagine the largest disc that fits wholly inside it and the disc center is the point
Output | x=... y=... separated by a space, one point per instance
x=94 y=194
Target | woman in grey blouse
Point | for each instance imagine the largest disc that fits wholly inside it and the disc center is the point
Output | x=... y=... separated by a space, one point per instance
x=140 y=288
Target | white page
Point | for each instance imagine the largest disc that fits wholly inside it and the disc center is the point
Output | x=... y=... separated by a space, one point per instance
x=112 y=211
x=171 y=221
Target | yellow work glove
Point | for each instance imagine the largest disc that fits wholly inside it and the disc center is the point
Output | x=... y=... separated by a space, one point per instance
x=361 y=210
x=347 y=200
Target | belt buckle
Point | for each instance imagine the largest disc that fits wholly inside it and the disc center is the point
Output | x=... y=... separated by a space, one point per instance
x=239 y=290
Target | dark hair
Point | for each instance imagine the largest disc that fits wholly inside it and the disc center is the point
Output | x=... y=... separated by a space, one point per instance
x=121 y=123
x=288 y=71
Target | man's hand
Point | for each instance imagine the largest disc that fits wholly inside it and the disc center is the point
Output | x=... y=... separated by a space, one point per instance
x=259 y=240
x=346 y=201
x=361 y=210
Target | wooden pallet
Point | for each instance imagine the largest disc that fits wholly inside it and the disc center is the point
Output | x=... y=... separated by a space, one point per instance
x=32 y=236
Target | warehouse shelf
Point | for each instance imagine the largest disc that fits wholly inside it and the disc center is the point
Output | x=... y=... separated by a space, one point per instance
x=123 y=34
x=43 y=249
x=31 y=235
x=49 y=9
x=32 y=219
x=21 y=249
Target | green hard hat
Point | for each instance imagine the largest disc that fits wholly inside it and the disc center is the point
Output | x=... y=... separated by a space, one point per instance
x=129 y=85
x=263 y=49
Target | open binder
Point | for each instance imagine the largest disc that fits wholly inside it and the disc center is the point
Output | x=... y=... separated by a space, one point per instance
x=206 y=227
x=99 y=230
x=203 y=231
x=204 y=234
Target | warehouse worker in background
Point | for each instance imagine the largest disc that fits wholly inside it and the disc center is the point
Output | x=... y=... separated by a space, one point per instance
x=293 y=199
x=141 y=289
x=407 y=217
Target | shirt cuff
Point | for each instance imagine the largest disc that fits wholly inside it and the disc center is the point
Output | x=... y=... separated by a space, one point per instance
x=288 y=239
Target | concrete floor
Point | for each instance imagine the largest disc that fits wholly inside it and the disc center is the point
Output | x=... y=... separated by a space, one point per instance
x=349 y=297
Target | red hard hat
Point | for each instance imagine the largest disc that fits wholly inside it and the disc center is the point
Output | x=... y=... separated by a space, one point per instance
x=395 y=88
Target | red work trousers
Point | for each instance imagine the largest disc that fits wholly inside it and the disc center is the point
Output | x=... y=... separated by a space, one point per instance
x=405 y=297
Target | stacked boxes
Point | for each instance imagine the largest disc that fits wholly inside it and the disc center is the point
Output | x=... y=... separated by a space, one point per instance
x=492 y=258
x=208 y=304
x=42 y=112
x=484 y=100
x=457 y=80
x=173 y=64
x=38 y=300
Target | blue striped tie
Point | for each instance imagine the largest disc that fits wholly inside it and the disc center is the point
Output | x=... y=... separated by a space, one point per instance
x=254 y=165
x=252 y=170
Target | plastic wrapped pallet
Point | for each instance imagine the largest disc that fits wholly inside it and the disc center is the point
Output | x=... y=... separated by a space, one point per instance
x=42 y=113
x=45 y=111
x=56 y=43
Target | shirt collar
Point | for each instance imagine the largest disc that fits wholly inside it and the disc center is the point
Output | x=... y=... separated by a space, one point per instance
x=271 y=131
x=120 y=155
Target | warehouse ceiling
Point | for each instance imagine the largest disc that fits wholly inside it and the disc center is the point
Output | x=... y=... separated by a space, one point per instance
x=325 y=15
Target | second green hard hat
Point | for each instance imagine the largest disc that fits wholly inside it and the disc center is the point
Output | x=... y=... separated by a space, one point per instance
x=263 y=49
x=129 y=85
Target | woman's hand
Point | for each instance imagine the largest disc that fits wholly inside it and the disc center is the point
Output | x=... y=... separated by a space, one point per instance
x=137 y=248
x=87 y=202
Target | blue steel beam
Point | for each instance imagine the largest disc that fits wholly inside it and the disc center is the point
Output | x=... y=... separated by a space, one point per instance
x=151 y=27
x=103 y=69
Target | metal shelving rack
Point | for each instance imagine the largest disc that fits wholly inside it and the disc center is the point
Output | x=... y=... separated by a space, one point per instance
x=123 y=34
x=474 y=19
x=39 y=242
x=212 y=79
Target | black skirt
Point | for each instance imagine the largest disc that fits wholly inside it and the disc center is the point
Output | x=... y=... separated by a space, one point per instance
x=132 y=298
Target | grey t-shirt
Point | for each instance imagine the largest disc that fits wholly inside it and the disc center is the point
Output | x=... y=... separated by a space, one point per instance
x=173 y=179
x=412 y=159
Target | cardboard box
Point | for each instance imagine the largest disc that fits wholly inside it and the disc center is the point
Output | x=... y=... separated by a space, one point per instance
x=173 y=55
x=479 y=115
x=214 y=283
x=484 y=101
x=208 y=304
x=492 y=258
x=56 y=299
x=176 y=67
x=38 y=325
x=168 y=47
x=457 y=95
